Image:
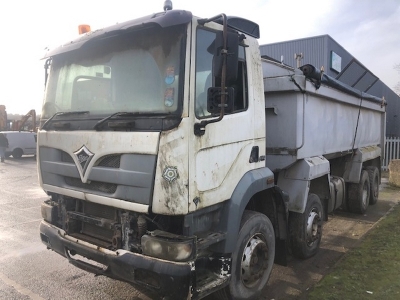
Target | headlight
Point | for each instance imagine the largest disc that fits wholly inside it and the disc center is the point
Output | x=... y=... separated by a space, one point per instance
x=175 y=250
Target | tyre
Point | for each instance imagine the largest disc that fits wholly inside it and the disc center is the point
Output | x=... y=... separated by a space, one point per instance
x=252 y=259
x=306 y=229
x=358 y=194
x=17 y=153
x=373 y=175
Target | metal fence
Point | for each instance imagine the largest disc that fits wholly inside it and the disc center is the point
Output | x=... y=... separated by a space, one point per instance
x=392 y=151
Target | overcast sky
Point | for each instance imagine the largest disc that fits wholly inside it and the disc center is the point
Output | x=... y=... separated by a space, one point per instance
x=368 y=29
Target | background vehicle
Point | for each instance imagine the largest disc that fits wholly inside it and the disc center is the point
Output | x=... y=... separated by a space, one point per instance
x=21 y=143
x=183 y=162
x=19 y=125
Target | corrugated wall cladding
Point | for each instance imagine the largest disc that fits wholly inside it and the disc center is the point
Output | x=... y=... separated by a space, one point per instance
x=313 y=50
x=392 y=111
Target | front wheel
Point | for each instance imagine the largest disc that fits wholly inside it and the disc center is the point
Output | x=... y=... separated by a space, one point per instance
x=306 y=229
x=252 y=259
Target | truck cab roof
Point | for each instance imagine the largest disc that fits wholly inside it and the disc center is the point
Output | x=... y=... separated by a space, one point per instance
x=162 y=19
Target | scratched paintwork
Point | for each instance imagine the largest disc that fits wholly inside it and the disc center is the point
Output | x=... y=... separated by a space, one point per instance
x=171 y=197
x=215 y=164
x=220 y=158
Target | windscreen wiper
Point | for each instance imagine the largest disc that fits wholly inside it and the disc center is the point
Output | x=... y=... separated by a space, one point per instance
x=100 y=123
x=63 y=113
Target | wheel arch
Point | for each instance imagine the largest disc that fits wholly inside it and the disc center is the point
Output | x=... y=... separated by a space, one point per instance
x=320 y=187
x=276 y=209
x=300 y=178
x=249 y=194
x=362 y=157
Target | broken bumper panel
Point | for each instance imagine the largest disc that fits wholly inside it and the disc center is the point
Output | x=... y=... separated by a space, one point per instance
x=165 y=278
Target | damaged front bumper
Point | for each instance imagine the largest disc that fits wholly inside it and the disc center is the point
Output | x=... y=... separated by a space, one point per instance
x=165 y=278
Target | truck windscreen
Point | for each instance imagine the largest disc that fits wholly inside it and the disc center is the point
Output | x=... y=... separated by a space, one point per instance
x=132 y=72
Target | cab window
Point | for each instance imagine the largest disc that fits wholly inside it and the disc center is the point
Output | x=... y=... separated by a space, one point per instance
x=205 y=78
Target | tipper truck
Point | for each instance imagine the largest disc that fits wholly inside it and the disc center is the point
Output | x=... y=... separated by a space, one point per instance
x=179 y=160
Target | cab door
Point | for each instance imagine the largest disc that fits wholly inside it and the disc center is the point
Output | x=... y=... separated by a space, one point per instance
x=221 y=156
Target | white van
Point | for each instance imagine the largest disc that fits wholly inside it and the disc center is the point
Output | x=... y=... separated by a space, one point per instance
x=20 y=143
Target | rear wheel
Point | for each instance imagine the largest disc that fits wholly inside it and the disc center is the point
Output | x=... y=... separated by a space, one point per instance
x=359 y=194
x=252 y=259
x=306 y=229
x=373 y=174
x=17 y=153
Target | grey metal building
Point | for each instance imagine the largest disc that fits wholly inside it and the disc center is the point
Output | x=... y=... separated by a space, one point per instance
x=324 y=51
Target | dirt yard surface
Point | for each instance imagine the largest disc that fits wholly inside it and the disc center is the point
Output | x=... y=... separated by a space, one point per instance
x=29 y=271
x=342 y=231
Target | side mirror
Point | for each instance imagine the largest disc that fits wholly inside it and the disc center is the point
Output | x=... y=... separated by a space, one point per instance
x=214 y=100
x=232 y=45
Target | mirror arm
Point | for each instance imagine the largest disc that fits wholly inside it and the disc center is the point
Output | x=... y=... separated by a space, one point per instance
x=46 y=70
x=200 y=128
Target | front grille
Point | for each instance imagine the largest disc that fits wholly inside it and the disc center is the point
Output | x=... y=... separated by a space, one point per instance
x=65 y=157
x=108 y=188
x=110 y=161
x=125 y=176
